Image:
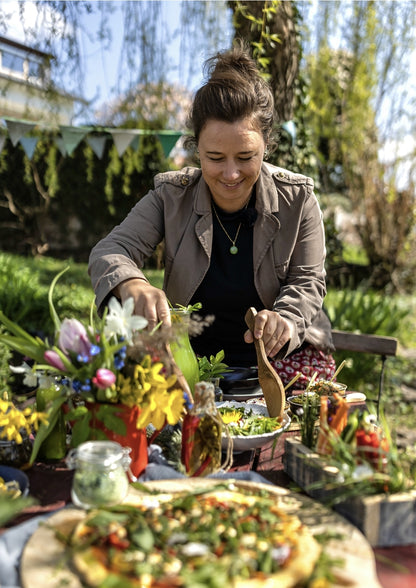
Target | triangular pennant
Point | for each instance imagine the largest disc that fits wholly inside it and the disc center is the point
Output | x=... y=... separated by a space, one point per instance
x=59 y=142
x=135 y=143
x=17 y=129
x=29 y=145
x=2 y=141
x=168 y=141
x=122 y=140
x=72 y=136
x=97 y=144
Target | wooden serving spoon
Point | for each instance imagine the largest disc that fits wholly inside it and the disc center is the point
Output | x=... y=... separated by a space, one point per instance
x=271 y=384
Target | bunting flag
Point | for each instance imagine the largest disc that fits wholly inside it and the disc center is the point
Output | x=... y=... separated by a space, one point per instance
x=97 y=144
x=122 y=139
x=72 y=137
x=168 y=140
x=18 y=128
x=67 y=138
x=59 y=142
x=29 y=145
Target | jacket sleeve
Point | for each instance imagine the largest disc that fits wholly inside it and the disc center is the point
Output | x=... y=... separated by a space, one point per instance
x=121 y=254
x=303 y=287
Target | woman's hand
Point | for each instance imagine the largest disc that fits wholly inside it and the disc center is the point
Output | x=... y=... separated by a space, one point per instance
x=275 y=331
x=149 y=301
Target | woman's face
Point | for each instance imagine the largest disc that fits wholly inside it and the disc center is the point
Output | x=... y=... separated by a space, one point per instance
x=231 y=155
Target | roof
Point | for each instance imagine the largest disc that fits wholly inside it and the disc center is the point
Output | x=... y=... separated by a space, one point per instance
x=26 y=48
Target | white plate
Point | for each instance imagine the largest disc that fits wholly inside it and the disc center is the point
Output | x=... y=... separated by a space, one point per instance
x=355 y=397
x=241 y=443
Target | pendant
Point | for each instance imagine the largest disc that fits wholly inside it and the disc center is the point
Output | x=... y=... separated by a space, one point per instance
x=233 y=250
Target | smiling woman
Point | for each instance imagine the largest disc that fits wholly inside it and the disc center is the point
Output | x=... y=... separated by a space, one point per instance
x=238 y=232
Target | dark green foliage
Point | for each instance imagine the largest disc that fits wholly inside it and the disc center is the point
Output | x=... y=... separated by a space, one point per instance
x=64 y=205
x=369 y=312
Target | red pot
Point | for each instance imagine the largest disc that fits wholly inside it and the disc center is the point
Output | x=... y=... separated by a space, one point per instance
x=134 y=438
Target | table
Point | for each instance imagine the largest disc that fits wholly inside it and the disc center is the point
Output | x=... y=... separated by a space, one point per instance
x=395 y=566
x=50 y=484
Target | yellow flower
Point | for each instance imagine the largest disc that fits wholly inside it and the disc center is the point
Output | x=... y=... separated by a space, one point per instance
x=175 y=406
x=14 y=421
x=232 y=416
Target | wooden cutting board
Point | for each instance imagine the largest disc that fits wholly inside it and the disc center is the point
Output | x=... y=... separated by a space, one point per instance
x=44 y=562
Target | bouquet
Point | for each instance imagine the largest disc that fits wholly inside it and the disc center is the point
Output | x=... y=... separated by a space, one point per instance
x=110 y=361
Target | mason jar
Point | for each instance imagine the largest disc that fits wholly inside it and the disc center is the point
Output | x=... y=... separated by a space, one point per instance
x=100 y=477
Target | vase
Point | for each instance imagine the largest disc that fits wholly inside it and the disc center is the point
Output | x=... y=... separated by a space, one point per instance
x=53 y=447
x=181 y=348
x=133 y=438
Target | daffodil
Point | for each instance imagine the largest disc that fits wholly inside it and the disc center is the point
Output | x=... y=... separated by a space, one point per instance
x=30 y=378
x=120 y=320
x=14 y=422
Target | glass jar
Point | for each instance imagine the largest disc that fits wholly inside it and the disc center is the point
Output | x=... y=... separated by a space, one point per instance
x=100 y=477
x=181 y=348
x=202 y=434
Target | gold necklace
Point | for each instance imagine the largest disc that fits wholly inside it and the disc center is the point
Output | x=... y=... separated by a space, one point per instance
x=233 y=248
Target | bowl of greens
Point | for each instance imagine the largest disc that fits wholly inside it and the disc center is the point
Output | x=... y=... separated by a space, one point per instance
x=249 y=425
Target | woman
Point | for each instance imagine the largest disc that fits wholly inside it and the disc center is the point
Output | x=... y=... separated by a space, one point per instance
x=237 y=232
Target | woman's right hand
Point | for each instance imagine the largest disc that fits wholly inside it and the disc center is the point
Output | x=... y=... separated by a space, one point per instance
x=149 y=301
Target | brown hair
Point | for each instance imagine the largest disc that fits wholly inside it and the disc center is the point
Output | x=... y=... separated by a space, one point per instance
x=234 y=90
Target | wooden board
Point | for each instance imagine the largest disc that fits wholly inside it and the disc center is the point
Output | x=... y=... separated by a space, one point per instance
x=44 y=562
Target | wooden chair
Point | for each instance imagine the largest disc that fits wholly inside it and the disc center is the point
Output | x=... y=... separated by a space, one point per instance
x=374 y=344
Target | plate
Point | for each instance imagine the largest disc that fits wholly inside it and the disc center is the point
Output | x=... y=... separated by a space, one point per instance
x=239 y=395
x=239 y=378
x=50 y=567
x=249 y=442
x=10 y=474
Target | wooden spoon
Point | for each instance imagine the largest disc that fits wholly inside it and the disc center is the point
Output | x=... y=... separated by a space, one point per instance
x=271 y=384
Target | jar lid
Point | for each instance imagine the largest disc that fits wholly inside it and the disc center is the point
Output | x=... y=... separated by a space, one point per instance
x=105 y=453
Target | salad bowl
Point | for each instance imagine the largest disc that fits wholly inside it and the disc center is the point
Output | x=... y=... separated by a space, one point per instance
x=243 y=419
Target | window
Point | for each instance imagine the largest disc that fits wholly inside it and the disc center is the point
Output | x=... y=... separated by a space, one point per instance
x=12 y=61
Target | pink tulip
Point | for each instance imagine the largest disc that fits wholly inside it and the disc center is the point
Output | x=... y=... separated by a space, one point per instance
x=103 y=378
x=54 y=360
x=73 y=337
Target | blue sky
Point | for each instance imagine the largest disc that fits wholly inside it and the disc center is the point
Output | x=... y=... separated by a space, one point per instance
x=101 y=66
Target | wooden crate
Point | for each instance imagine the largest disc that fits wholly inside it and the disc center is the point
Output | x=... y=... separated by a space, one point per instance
x=384 y=520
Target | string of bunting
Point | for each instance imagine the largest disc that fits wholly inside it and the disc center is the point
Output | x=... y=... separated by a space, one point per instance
x=67 y=138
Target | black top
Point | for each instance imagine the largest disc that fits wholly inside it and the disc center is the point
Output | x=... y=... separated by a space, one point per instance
x=228 y=290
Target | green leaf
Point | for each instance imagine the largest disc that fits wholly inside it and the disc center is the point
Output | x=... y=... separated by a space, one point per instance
x=44 y=430
x=52 y=310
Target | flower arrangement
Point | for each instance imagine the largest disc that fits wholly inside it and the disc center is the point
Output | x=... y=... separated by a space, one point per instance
x=111 y=361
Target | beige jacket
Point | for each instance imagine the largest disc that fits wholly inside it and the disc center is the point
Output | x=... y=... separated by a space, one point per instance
x=288 y=249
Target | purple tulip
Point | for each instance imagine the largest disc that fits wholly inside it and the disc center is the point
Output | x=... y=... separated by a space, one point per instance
x=73 y=338
x=54 y=360
x=103 y=378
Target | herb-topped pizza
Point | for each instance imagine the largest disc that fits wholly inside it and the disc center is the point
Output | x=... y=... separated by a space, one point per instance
x=218 y=537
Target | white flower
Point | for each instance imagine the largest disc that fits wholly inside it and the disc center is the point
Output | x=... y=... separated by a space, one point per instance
x=30 y=378
x=121 y=321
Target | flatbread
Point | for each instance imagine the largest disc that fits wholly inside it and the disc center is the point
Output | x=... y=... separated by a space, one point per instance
x=239 y=535
x=47 y=562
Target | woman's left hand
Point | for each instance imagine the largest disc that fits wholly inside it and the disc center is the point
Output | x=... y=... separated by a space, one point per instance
x=275 y=331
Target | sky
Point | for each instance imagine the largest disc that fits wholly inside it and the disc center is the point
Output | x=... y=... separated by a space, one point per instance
x=101 y=66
